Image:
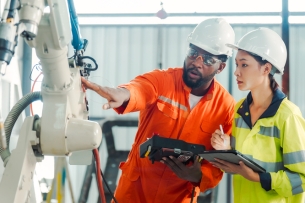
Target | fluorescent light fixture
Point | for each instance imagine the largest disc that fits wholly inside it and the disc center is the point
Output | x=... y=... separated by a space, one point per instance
x=176 y=20
x=296 y=19
x=176 y=6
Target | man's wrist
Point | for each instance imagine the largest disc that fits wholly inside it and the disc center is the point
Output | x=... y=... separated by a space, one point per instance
x=196 y=184
x=199 y=179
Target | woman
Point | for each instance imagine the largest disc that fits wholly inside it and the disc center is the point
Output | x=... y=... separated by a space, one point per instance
x=267 y=127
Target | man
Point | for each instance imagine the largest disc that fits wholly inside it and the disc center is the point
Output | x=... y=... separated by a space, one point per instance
x=178 y=103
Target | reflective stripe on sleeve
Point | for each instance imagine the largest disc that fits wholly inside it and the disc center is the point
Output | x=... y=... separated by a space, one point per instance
x=295 y=181
x=169 y=101
x=294 y=157
x=269 y=166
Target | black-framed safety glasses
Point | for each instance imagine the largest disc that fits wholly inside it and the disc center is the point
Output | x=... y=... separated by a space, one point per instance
x=207 y=59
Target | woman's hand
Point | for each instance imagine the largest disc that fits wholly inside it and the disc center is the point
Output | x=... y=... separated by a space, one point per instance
x=240 y=169
x=220 y=141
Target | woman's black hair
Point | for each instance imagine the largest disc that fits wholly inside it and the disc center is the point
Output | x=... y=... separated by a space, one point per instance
x=273 y=84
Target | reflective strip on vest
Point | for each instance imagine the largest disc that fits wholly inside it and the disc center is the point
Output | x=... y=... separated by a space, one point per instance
x=270 y=131
x=233 y=141
x=240 y=123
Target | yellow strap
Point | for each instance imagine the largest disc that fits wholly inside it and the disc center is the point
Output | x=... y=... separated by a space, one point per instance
x=58 y=194
x=148 y=151
x=10 y=20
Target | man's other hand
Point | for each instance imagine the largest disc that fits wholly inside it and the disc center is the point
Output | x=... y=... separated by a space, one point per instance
x=190 y=173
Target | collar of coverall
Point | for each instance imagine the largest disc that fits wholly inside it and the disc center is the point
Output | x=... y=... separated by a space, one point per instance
x=209 y=94
x=244 y=110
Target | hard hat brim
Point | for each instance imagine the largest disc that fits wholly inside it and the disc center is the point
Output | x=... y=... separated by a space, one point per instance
x=206 y=48
x=233 y=46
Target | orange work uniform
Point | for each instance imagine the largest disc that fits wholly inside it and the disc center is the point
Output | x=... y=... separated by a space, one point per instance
x=162 y=98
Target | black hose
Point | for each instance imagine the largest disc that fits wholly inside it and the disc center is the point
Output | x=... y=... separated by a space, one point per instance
x=108 y=188
x=83 y=198
x=193 y=193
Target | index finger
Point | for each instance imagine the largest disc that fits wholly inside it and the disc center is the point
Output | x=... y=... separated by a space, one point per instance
x=222 y=161
x=218 y=132
x=217 y=137
x=89 y=85
x=177 y=161
x=198 y=161
x=95 y=87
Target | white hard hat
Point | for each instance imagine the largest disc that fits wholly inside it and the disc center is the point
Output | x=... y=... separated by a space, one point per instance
x=265 y=43
x=212 y=35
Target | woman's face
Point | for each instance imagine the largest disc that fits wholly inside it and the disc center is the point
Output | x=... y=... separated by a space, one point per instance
x=249 y=73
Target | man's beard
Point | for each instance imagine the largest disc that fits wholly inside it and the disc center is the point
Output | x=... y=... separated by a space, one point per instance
x=198 y=83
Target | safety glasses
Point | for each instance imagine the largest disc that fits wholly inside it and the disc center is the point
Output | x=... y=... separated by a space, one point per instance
x=206 y=59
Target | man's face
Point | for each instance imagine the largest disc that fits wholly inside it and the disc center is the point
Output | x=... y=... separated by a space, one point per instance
x=195 y=72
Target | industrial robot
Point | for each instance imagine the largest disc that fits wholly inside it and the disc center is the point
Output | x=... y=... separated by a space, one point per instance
x=63 y=128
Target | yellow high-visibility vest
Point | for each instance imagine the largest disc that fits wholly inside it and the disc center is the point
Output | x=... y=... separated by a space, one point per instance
x=277 y=143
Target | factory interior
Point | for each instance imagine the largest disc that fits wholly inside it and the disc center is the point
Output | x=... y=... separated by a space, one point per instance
x=60 y=144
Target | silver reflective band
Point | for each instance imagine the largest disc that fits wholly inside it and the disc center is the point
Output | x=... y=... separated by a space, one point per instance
x=240 y=123
x=167 y=100
x=294 y=157
x=233 y=141
x=270 y=131
x=295 y=181
x=270 y=166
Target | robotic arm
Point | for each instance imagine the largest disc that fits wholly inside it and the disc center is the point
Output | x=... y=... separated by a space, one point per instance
x=64 y=109
x=8 y=37
x=64 y=126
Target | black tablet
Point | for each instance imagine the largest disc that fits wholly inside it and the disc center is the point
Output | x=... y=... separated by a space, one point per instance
x=232 y=156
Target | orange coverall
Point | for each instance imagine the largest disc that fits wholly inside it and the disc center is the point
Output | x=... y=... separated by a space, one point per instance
x=162 y=98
